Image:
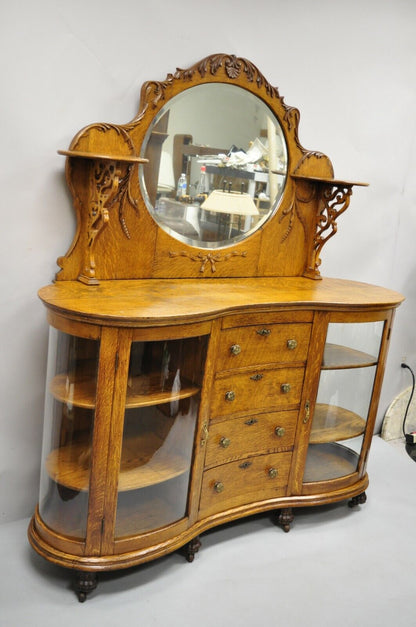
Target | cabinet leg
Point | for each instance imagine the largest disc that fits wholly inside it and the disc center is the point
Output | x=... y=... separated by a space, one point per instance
x=191 y=548
x=285 y=518
x=360 y=499
x=84 y=583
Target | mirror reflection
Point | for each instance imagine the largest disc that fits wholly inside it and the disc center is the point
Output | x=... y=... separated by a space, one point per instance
x=217 y=165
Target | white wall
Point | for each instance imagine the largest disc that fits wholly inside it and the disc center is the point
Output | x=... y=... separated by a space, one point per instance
x=347 y=65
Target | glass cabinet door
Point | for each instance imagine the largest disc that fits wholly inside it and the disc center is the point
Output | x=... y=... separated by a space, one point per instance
x=162 y=401
x=343 y=401
x=67 y=439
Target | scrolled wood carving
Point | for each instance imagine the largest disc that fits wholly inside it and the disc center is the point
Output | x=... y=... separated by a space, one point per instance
x=234 y=67
x=334 y=199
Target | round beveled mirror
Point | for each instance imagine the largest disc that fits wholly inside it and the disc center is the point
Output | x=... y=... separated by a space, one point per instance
x=217 y=165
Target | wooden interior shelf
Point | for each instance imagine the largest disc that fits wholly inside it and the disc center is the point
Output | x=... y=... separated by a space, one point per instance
x=331 y=423
x=329 y=461
x=142 y=464
x=142 y=391
x=340 y=357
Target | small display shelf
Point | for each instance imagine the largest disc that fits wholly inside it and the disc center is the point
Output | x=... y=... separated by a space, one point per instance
x=92 y=155
x=340 y=357
x=142 y=391
x=142 y=464
x=329 y=461
x=331 y=422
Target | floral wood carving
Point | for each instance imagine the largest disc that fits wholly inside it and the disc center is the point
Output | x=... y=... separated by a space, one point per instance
x=104 y=186
x=333 y=201
x=208 y=259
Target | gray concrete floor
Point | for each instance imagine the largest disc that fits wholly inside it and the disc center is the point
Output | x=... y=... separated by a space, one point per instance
x=337 y=566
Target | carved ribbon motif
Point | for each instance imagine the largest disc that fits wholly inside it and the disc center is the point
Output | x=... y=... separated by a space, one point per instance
x=209 y=259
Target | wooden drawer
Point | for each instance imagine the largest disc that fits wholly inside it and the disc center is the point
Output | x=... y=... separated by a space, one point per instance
x=263 y=388
x=237 y=438
x=249 y=481
x=263 y=344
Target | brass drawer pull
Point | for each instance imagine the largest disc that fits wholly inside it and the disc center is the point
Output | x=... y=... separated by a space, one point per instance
x=280 y=431
x=235 y=349
x=264 y=332
x=285 y=388
x=273 y=472
x=230 y=396
x=225 y=442
x=291 y=344
x=245 y=465
x=256 y=377
x=218 y=487
x=251 y=421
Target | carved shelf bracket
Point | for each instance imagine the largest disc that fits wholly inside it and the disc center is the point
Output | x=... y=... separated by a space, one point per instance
x=207 y=260
x=333 y=200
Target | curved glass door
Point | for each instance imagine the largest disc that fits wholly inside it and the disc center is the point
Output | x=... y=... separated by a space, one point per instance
x=343 y=402
x=162 y=401
x=69 y=420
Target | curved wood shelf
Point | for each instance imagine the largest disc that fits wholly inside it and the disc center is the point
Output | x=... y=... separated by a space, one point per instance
x=331 y=423
x=143 y=463
x=337 y=357
x=92 y=155
x=326 y=462
x=142 y=391
x=329 y=181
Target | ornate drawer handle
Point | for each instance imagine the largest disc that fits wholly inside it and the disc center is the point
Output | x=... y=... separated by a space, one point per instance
x=273 y=472
x=285 y=388
x=280 y=431
x=230 y=396
x=291 y=344
x=225 y=442
x=251 y=421
x=218 y=487
x=245 y=465
x=235 y=349
x=256 y=377
x=264 y=331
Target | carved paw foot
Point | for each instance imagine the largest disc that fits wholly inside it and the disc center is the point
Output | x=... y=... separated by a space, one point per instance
x=85 y=583
x=360 y=499
x=285 y=519
x=191 y=548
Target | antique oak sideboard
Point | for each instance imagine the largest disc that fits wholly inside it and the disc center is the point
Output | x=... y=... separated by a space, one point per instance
x=200 y=369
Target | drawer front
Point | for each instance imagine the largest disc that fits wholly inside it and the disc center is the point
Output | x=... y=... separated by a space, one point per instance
x=237 y=438
x=242 y=482
x=257 y=389
x=263 y=344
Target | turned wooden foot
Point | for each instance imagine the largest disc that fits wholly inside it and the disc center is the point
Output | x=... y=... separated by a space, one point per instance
x=191 y=548
x=360 y=499
x=285 y=519
x=85 y=583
